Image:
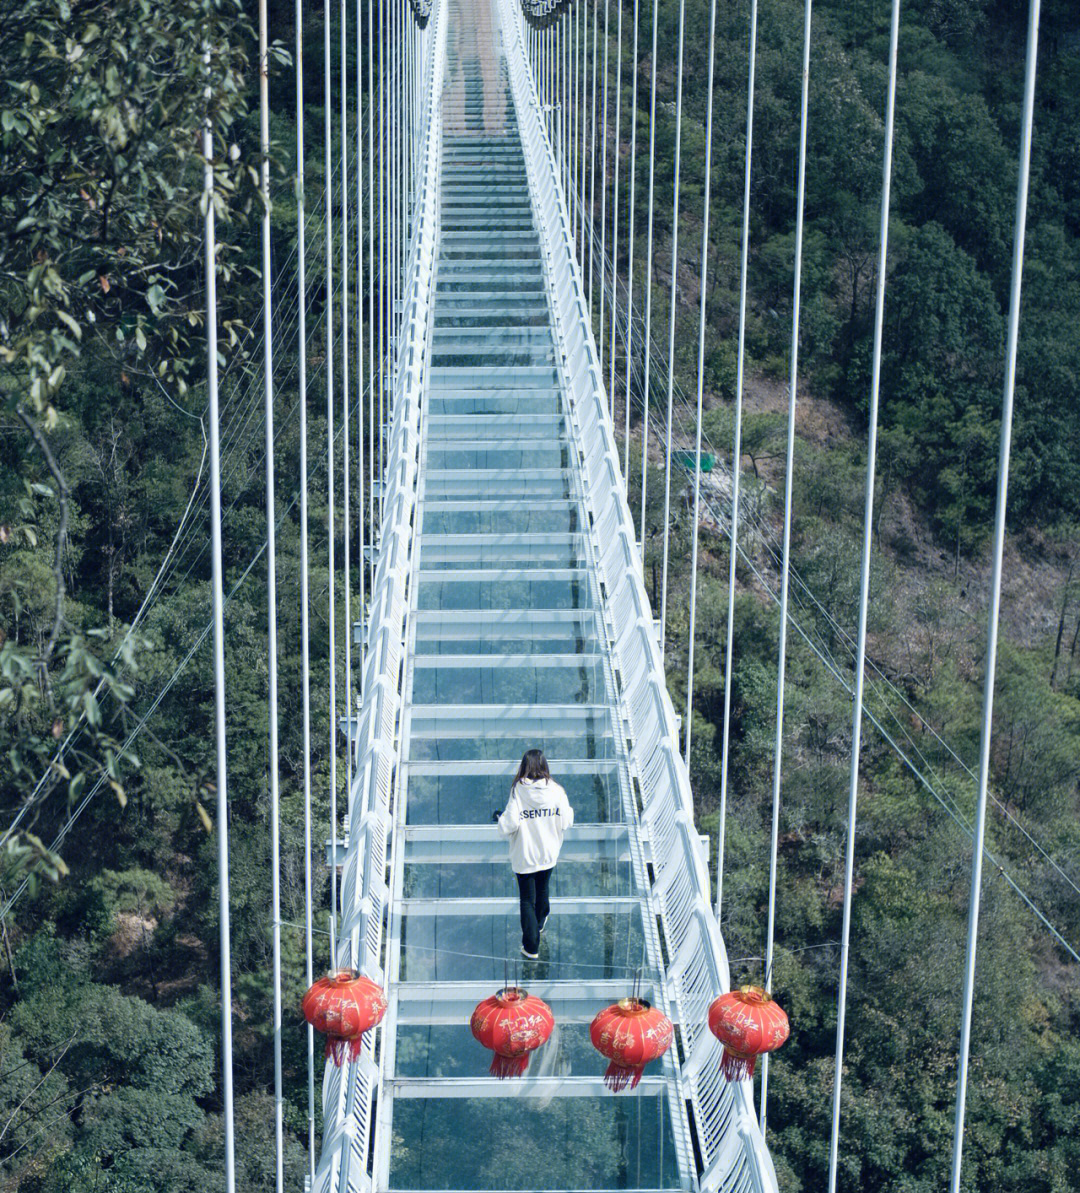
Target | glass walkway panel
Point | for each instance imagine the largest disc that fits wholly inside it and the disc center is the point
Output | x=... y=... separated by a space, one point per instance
x=500 y=637
x=505 y=652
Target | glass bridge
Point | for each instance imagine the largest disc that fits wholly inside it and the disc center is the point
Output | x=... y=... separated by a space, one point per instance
x=503 y=620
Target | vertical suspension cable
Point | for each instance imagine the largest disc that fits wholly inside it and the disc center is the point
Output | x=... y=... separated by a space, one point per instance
x=615 y=210
x=564 y=98
x=382 y=251
x=305 y=635
x=648 y=280
x=583 y=104
x=736 y=460
x=395 y=163
x=346 y=531
x=219 y=641
x=575 y=104
x=590 y=211
x=372 y=281
x=271 y=596
x=671 y=327
x=391 y=220
x=603 y=198
x=628 y=340
x=700 y=381
x=995 y=584
x=785 y=569
x=864 y=596
x=361 y=577
x=552 y=106
x=329 y=168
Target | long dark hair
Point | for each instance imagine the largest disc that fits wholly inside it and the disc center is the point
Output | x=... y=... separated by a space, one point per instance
x=533 y=766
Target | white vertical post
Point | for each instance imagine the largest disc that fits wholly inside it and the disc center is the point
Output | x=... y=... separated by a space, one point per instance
x=995 y=585
x=219 y=643
x=786 y=561
x=700 y=382
x=736 y=461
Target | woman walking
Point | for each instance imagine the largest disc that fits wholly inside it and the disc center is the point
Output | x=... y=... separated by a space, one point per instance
x=535 y=820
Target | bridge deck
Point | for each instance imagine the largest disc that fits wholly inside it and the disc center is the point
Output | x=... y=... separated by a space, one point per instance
x=508 y=612
x=506 y=651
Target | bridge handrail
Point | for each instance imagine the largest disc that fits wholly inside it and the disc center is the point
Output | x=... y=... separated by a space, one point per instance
x=731 y=1145
x=348 y=1091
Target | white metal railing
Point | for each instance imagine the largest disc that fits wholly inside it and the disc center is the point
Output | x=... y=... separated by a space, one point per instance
x=348 y=1091
x=731 y=1145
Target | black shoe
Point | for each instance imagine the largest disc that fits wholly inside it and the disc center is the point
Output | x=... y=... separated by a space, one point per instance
x=531 y=956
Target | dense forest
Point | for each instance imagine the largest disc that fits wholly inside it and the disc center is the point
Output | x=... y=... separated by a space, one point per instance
x=109 y=1072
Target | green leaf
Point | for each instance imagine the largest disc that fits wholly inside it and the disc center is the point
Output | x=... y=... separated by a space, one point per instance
x=69 y=322
x=155 y=296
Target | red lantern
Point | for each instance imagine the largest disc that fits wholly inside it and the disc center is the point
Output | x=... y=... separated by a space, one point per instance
x=512 y=1023
x=630 y=1033
x=344 y=1005
x=748 y=1023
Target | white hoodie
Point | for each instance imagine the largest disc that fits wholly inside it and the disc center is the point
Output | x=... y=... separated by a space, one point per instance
x=536 y=818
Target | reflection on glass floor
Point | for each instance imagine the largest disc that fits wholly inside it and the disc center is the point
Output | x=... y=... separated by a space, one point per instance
x=507 y=651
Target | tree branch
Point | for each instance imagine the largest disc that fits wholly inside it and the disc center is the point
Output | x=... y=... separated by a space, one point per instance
x=61 y=533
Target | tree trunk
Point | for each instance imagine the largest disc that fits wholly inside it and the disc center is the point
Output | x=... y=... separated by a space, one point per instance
x=1061 y=625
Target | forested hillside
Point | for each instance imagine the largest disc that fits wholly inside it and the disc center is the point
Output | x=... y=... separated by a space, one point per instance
x=951 y=242
x=109 y=1073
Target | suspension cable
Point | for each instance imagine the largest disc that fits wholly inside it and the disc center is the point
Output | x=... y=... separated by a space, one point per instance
x=327 y=151
x=271 y=597
x=219 y=649
x=648 y=275
x=603 y=194
x=346 y=531
x=786 y=558
x=671 y=325
x=736 y=460
x=995 y=585
x=628 y=336
x=575 y=109
x=591 y=210
x=373 y=371
x=864 y=597
x=700 y=381
x=360 y=536
x=305 y=629
x=615 y=207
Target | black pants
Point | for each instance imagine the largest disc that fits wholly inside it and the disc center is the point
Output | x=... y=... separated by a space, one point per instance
x=533 y=889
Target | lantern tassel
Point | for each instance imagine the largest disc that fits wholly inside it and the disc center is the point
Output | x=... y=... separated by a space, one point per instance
x=508 y=1066
x=338 y=1046
x=619 y=1077
x=738 y=1068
